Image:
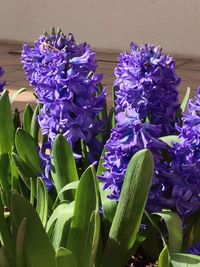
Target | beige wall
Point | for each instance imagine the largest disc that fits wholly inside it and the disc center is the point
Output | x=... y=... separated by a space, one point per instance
x=107 y=24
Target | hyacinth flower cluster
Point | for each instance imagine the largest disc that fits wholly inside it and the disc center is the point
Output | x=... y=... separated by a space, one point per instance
x=147 y=81
x=184 y=173
x=62 y=73
x=129 y=136
x=146 y=106
x=2 y=83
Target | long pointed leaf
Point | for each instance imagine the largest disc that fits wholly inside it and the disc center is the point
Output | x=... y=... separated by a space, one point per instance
x=85 y=203
x=27 y=118
x=109 y=206
x=38 y=248
x=42 y=201
x=70 y=186
x=34 y=128
x=20 y=254
x=175 y=230
x=27 y=150
x=64 y=167
x=60 y=230
x=14 y=175
x=130 y=209
x=185 y=100
x=91 y=244
x=25 y=172
x=63 y=208
x=5 y=178
x=18 y=92
x=164 y=259
x=6 y=122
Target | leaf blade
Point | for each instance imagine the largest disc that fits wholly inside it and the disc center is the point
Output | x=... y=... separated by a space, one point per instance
x=175 y=230
x=63 y=166
x=40 y=254
x=186 y=99
x=130 y=209
x=6 y=122
x=86 y=202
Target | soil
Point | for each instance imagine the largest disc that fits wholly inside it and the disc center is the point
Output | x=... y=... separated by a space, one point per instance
x=139 y=261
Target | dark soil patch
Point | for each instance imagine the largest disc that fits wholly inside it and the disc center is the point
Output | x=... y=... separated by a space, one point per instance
x=141 y=261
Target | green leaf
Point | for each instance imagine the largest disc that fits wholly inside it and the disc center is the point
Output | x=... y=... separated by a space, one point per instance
x=20 y=254
x=113 y=108
x=86 y=202
x=175 y=230
x=170 y=139
x=101 y=168
x=130 y=209
x=185 y=260
x=65 y=258
x=27 y=118
x=151 y=233
x=109 y=206
x=6 y=122
x=63 y=166
x=34 y=128
x=5 y=176
x=60 y=231
x=5 y=233
x=92 y=240
x=42 y=201
x=84 y=152
x=32 y=191
x=164 y=259
x=38 y=248
x=25 y=172
x=4 y=259
x=18 y=92
x=64 y=208
x=27 y=150
x=185 y=100
x=70 y=186
x=14 y=174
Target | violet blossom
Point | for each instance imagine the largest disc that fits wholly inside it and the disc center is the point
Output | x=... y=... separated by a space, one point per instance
x=184 y=172
x=2 y=83
x=147 y=81
x=130 y=135
x=62 y=73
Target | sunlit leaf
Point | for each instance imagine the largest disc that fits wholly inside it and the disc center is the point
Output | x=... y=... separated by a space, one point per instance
x=129 y=211
x=175 y=230
x=186 y=99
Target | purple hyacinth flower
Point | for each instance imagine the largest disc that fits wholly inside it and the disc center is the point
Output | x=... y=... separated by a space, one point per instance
x=2 y=84
x=62 y=73
x=130 y=135
x=146 y=80
x=184 y=171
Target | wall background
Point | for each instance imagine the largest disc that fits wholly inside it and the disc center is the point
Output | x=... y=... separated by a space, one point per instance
x=108 y=24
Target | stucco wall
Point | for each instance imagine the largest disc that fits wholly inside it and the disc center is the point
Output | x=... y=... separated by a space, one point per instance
x=108 y=24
